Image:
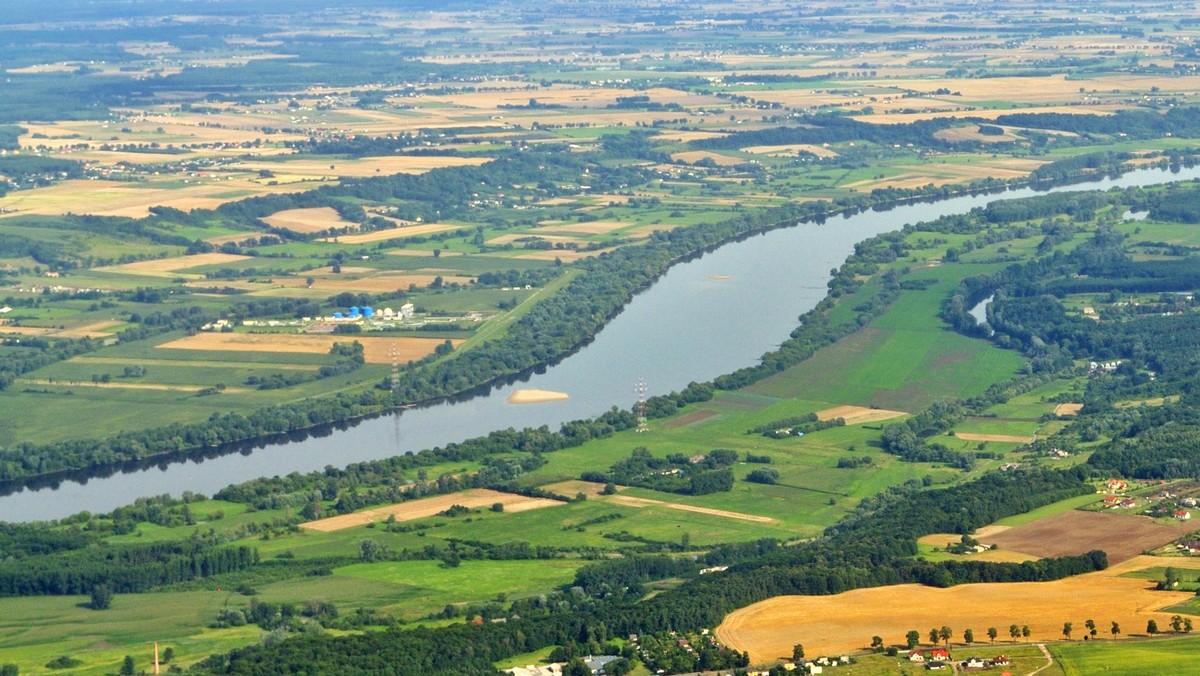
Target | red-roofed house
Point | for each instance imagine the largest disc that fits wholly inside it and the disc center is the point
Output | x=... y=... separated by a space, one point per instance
x=940 y=654
x=916 y=656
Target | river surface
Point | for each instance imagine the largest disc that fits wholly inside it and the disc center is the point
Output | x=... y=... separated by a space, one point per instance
x=703 y=318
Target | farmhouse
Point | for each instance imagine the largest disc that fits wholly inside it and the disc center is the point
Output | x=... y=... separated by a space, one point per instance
x=1182 y=515
x=916 y=656
x=939 y=655
x=1116 y=485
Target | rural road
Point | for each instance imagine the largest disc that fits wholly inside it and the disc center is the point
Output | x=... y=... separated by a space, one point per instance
x=1049 y=661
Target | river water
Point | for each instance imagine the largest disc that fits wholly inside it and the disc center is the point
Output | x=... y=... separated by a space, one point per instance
x=703 y=318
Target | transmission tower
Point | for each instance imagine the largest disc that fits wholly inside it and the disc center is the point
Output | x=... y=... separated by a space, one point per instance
x=640 y=390
x=394 y=353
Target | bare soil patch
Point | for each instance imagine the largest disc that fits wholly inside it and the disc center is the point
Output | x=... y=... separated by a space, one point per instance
x=536 y=396
x=308 y=221
x=832 y=625
x=967 y=436
x=689 y=419
x=1122 y=536
x=858 y=414
x=165 y=265
x=630 y=501
x=1068 y=409
x=425 y=507
x=375 y=350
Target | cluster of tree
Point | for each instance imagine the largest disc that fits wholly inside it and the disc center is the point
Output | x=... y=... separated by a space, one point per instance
x=763 y=475
x=675 y=473
x=836 y=128
x=801 y=429
x=1137 y=124
x=29 y=171
x=33 y=353
x=1102 y=163
x=120 y=568
x=350 y=358
x=668 y=652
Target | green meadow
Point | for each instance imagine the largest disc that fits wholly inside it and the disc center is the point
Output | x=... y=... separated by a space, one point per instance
x=1128 y=657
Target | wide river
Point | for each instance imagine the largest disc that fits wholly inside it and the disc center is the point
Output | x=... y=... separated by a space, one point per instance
x=703 y=318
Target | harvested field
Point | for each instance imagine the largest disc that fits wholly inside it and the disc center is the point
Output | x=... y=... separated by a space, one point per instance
x=971 y=134
x=590 y=228
x=393 y=233
x=565 y=255
x=425 y=507
x=163 y=267
x=689 y=419
x=858 y=414
x=688 y=136
x=1011 y=438
x=536 y=396
x=513 y=239
x=133 y=199
x=362 y=168
x=832 y=625
x=422 y=253
x=1067 y=409
x=576 y=486
x=380 y=283
x=792 y=149
x=307 y=221
x=1122 y=536
x=630 y=501
x=120 y=361
x=93 y=330
x=376 y=350
x=693 y=156
x=26 y=330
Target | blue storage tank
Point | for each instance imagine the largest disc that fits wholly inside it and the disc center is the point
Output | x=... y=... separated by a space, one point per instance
x=337 y=315
x=353 y=310
x=368 y=311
